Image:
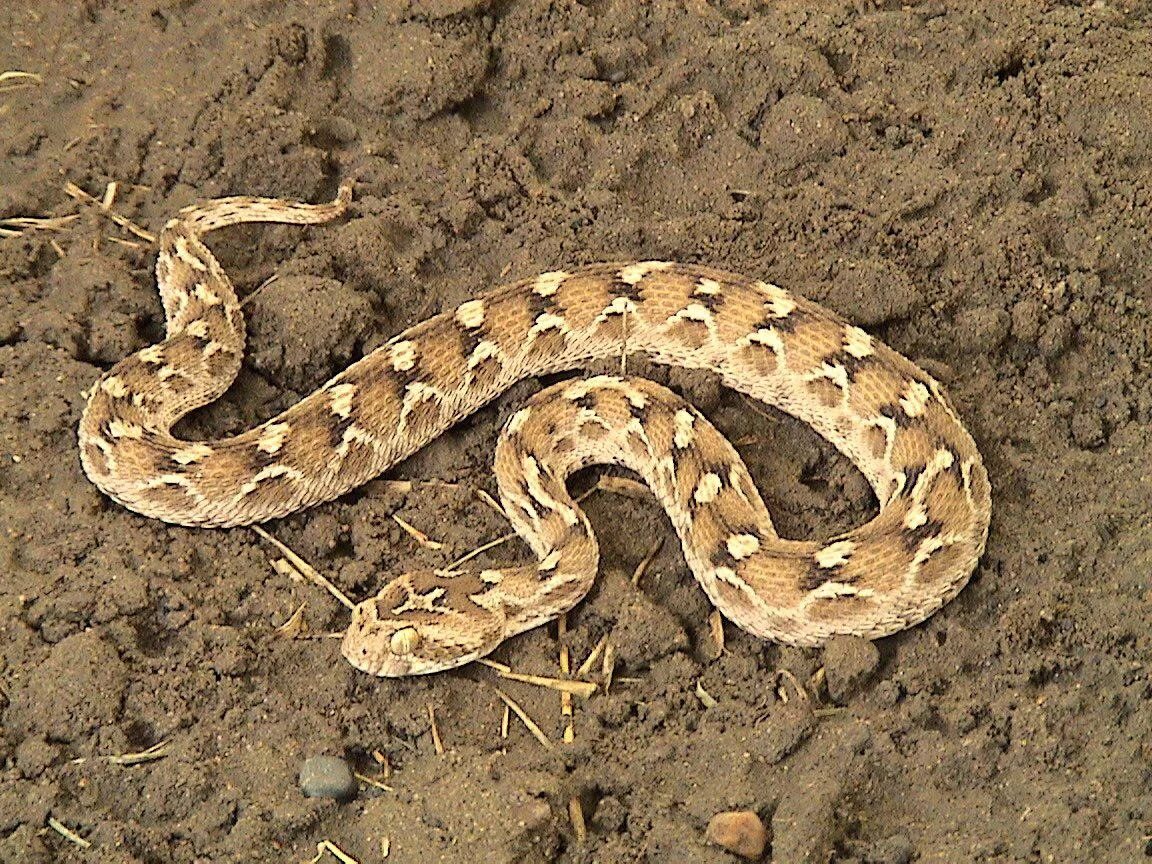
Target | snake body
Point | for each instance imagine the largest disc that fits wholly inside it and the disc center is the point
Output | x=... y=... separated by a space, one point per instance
x=888 y=416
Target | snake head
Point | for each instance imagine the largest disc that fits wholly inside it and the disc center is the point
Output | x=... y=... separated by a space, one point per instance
x=422 y=622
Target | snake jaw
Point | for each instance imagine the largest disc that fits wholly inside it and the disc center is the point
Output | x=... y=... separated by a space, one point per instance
x=386 y=648
x=415 y=626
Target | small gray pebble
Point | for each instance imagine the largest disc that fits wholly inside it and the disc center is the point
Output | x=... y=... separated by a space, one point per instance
x=327 y=777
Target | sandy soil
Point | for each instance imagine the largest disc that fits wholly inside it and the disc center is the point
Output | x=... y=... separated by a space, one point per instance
x=969 y=181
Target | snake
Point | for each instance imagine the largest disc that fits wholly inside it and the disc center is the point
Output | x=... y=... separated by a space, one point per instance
x=888 y=416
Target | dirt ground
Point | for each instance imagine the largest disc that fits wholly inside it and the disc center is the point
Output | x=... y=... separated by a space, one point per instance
x=970 y=181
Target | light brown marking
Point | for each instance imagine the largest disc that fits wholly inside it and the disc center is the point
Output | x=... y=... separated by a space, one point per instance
x=546 y=283
x=192 y=453
x=779 y=303
x=858 y=343
x=403 y=356
x=683 y=420
x=114 y=386
x=915 y=399
x=340 y=397
x=125 y=429
x=707 y=489
x=188 y=256
x=633 y=273
x=470 y=314
x=742 y=546
x=835 y=554
x=272 y=439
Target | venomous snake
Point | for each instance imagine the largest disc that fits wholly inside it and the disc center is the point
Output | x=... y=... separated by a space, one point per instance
x=878 y=408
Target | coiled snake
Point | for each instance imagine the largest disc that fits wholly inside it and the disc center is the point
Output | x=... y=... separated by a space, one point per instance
x=878 y=408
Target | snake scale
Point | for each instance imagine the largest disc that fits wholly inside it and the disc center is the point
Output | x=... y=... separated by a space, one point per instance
x=889 y=417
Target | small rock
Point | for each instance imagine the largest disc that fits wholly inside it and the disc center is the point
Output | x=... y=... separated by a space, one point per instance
x=327 y=777
x=740 y=832
x=849 y=662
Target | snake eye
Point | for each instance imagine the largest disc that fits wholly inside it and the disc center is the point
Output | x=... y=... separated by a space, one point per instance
x=404 y=641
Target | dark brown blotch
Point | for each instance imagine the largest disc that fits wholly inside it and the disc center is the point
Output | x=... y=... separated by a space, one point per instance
x=815 y=575
x=913 y=537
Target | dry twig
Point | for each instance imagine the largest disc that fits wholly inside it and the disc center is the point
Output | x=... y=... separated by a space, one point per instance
x=74 y=191
x=583 y=689
x=305 y=568
x=436 y=742
x=334 y=850
x=417 y=535
x=14 y=79
x=536 y=731
x=67 y=833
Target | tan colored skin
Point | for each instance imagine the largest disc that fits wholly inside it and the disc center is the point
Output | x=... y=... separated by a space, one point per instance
x=883 y=412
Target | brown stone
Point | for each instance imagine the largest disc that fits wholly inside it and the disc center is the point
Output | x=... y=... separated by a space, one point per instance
x=740 y=832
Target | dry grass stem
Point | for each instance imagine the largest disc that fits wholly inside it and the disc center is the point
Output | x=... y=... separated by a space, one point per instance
x=417 y=535
x=566 y=671
x=491 y=544
x=17 y=225
x=818 y=683
x=294 y=626
x=505 y=722
x=829 y=711
x=492 y=664
x=586 y=667
x=491 y=502
x=436 y=742
x=150 y=754
x=67 y=833
x=305 y=568
x=284 y=567
x=74 y=191
x=643 y=566
x=716 y=627
x=576 y=817
x=528 y=722
x=608 y=667
x=252 y=294
x=583 y=689
x=333 y=850
x=372 y=781
x=384 y=763
x=757 y=407
x=14 y=79
x=784 y=676
x=706 y=698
